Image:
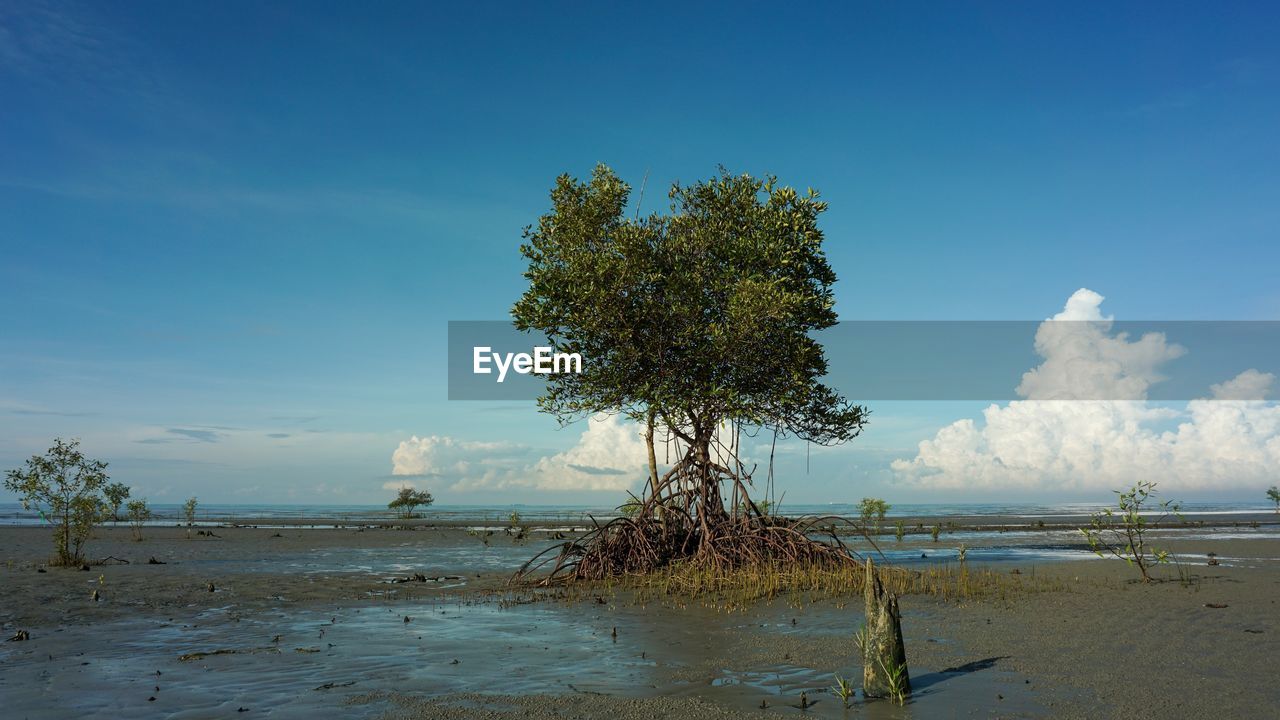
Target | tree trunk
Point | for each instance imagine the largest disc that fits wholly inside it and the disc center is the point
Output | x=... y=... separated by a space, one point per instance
x=883 y=654
x=653 y=456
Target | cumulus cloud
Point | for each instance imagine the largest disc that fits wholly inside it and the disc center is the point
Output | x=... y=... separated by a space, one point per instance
x=1231 y=440
x=609 y=455
x=444 y=456
x=1248 y=385
x=1083 y=360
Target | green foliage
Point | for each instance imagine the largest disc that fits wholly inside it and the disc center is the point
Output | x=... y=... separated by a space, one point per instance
x=68 y=487
x=189 y=511
x=872 y=512
x=1121 y=532
x=704 y=314
x=843 y=689
x=860 y=639
x=516 y=526
x=1274 y=496
x=896 y=678
x=765 y=507
x=139 y=514
x=899 y=530
x=408 y=499
x=935 y=531
x=114 y=495
x=631 y=508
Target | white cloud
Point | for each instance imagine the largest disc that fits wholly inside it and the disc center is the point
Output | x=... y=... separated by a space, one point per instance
x=444 y=456
x=1229 y=441
x=1248 y=385
x=1084 y=361
x=609 y=455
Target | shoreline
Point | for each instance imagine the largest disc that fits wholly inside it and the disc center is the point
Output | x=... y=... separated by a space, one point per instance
x=913 y=523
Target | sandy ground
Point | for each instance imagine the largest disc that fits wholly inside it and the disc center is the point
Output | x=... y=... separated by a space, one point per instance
x=310 y=624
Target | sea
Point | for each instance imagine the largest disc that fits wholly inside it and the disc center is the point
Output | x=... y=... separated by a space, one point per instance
x=13 y=513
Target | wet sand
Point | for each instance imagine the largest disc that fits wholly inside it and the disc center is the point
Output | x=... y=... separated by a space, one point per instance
x=308 y=622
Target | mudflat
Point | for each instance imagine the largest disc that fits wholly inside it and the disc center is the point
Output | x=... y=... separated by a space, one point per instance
x=419 y=622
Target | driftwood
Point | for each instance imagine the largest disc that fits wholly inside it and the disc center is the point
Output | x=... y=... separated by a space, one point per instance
x=225 y=651
x=419 y=577
x=884 y=658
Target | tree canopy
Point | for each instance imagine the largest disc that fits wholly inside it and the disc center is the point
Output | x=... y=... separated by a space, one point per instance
x=704 y=314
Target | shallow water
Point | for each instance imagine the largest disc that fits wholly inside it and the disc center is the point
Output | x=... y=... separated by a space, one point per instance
x=290 y=663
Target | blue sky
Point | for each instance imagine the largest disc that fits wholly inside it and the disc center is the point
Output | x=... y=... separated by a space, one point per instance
x=232 y=235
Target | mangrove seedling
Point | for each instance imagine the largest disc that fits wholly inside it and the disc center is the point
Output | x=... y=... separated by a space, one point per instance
x=1274 y=496
x=843 y=689
x=189 y=510
x=896 y=678
x=899 y=530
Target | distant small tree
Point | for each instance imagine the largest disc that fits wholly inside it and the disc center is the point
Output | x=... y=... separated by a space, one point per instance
x=1274 y=496
x=408 y=499
x=115 y=494
x=872 y=512
x=189 y=510
x=1121 y=532
x=69 y=487
x=139 y=514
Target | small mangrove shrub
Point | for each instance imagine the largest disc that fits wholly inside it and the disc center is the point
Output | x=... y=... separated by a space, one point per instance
x=1121 y=531
x=189 y=510
x=1274 y=496
x=66 y=488
x=872 y=512
x=899 y=530
x=139 y=514
x=114 y=495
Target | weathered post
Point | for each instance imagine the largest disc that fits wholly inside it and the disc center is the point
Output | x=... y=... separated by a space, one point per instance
x=884 y=659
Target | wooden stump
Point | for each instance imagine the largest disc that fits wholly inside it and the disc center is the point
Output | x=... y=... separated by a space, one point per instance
x=884 y=659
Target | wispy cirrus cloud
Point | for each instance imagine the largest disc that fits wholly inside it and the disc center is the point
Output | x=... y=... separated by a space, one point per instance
x=197 y=434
